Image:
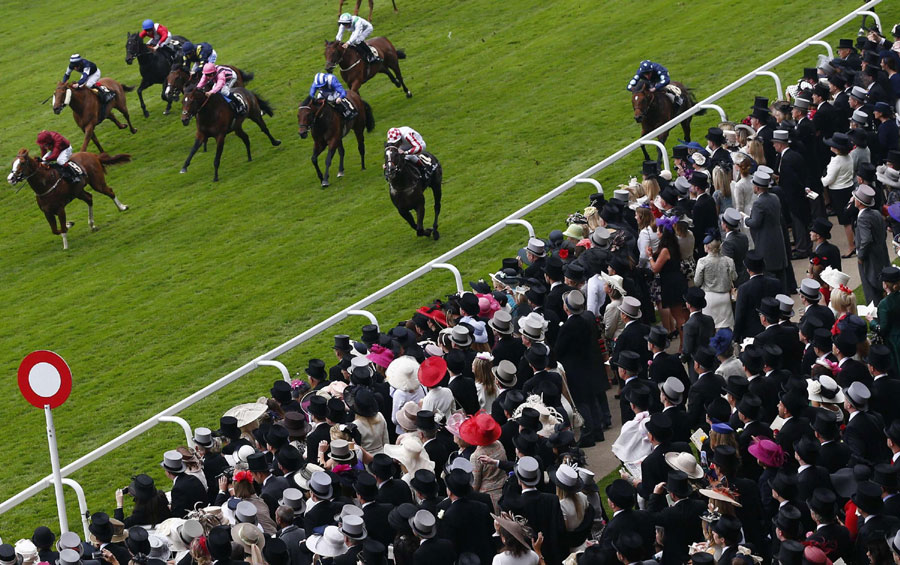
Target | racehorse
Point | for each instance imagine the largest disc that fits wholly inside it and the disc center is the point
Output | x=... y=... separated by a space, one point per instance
x=328 y=128
x=653 y=109
x=216 y=118
x=53 y=193
x=154 y=66
x=407 y=188
x=372 y=6
x=355 y=70
x=179 y=78
x=87 y=109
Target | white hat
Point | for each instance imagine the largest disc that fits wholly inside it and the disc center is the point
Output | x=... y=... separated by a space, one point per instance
x=888 y=176
x=824 y=390
x=28 y=551
x=614 y=282
x=402 y=373
x=159 y=548
x=329 y=544
x=834 y=278
x=533 y=326
x=685 y=462
x=248 y=535
x=410 y=453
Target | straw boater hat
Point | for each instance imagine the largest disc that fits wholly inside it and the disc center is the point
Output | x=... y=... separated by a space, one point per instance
x=402 y=373
x=247 y=413
x=411 y=454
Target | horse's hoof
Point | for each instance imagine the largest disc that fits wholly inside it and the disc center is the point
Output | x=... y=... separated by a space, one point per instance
x=133 y=130
x=94 y=228
x=325 y=183
x=146 y=114
x=427 y=232
x=165 y=112
x=69 y=224
x=276 y=143
x=420 y=233
x=409 y=94
x=215 y=179
x=435 y=235
x=340 y=174
x=182 y=171
x=123 y=208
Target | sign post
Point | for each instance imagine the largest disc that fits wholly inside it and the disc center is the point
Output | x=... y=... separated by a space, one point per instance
x=46 y=381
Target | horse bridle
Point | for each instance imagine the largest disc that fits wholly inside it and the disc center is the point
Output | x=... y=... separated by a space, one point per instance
x=391 y=170
x=314 y=114
x=205 y=102
x=332 y=64
x=650 y=97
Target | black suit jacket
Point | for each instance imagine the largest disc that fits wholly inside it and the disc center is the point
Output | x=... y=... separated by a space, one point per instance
x=864 y=435
x=810 y=479
x=705 y=217
x=638 y=521
x=272 y=491
x=349 y=558
x=681 y=429
x=375 y=518
x=835 y=541
x=574 y=350
x=554 y=300
x=654 y=469
x=293 y=536
x=463 y=389
x=316 y=518
x=735 y=244
x=749 y=296
x=508 y=348
x=853 y=371
x=214 y=464
x=665 y=365
x=394 y=492
x=876 y=527
x=186 y=492
x=707 y=388
x=682 y=526
x=720 y=156
x=821 y=312
x=435 y=551
x=766 y=388
x=633 y=338
x=834 y=455
x=791 y=431
x=698 y=329
x=885 y=393
x=755 y=428
x=468 y=524
x=322 y=431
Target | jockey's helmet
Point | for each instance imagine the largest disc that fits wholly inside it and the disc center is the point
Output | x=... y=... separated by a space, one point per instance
x=75 y=58
x=394 y=135
x=187 y=47
x=209 y=69
x=345 y=18
x=44 y=137
x=147 y=25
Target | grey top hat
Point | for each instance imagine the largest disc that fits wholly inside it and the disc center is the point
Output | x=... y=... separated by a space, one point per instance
x=245 y=513
x=801 y=103
x=781 y=135
x=860 y=117
x=761 y=178
x=865 y=195
x=203 y=437
x=70 y=540
x=173 y=462
x=460 y=335
x=293 y=498
x=600 y=236
x=673 y=388
x=352 y=527
x=528 y=471
x=505 y=373
x=159 y=548
x=320 y=485
x=859 y=93
x=622 y=194
x=532 y=326
x=68 y=557
x=731 y=217
x=574 y=301
x=810 y=289
x=501 y=322
x=536 y=247
x=682 y=185
x=785 y=304
x=189 y=531
x=631 y=307
x=859 y=395
x=423 y=524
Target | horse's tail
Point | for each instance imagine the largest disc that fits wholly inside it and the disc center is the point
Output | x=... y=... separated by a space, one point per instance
x=370 y=117
x=246 y=76
x=264 y=106
x=693 y=101
x=127 y=88
x=401 y=54
x=107 y=159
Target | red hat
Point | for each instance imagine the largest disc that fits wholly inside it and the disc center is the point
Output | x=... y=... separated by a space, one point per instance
x=815 y=556
x=480 y=429
x=44 y=136
x=767 y=452
x=435 y=314
x=432 y=371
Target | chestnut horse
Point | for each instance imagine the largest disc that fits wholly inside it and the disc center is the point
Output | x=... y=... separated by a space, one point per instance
x=355 y=70
x=53 y=193
x=653 y=109
x=216 y=118
x=86 y=107
x=179 y=78
x=328 y=128
x=407 y=188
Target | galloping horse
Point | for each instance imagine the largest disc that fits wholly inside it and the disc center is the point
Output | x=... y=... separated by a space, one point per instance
x=87 y=110
x=355 y=71
x=328 y=128
x=653 y=109
x=53 y=193
x=407 y=189
x=154 y=67
x=216 y=118
x=179 y=79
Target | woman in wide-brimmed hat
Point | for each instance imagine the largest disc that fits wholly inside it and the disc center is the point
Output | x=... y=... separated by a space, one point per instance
x=482 y=431
x=411 y=455
x=515 y=538
x=402 y=375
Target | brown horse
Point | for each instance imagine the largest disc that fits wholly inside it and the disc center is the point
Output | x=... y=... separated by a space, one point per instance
x=216 y=118
x=407 y=189
x=653 y=109
x=87 y=110
x=355 y=70
x=53 y=192
x=179 y=79
x=328 y=128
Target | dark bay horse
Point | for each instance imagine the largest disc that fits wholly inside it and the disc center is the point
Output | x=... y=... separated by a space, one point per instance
x=154 y=66
x=355 y=71
x=216 y=118
x=328 y=129
x=52 y=192
x=407 y=188
x=179 y=79
x=87 y=109
x=653 y=109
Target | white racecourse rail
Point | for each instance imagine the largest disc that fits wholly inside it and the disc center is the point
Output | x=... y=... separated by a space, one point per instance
x=439 y=262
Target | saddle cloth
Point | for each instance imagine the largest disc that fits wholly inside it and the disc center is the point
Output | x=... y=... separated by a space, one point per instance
x=76 y=168
x=673 y=89
x=242 y=99
x=373 y=50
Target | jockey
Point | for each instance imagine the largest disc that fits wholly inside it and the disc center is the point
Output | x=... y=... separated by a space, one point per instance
x=160 y=38
x=196 y=56
x=224 y=79
x=328 y=86
x=360 y=30
x=56 y=149
x=90 y=74
x=412 y=147
x=658 y=77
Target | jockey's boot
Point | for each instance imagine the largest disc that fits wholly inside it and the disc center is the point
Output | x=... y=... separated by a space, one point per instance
x=347 y=109
x=237 y=104
x=105 y=94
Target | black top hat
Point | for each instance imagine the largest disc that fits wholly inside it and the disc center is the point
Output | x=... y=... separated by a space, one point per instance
x=750 y=405
x=702 y=558
x=575 y=272
x=512 y=400
x=694 y=296
x=893 y=431
x=879 y=357
x=784 y=484
x=425 y=420
x=43 y=537
x=630 y=361
x=530 y=419
x=400 y=515
x=342 y=343
x=373 y=553
x=677 y=483
x=468 y=303
x=296 y=424
x=844 y=482
x=458 y=482
x=526 y=441
x=382 y=466
x=257 y=462
x=424 y=482
x=290 y=458
x=366 y=486
x=700 y=180
x=752 y=360
x=846 y=44
x=538 y=355
x=822 y=502
x=716 y=135
x=826 y=424
x=760 y=102
x=553 y=267
x=456 y=361
x=561 y=439
x=629 y=544
x=807 y=449
x=705 y=356
x=845 y=344
x=809 y=326
x=754 y=261
x=680 y=151
x=336 y=411
x=510 y=263
x=275 y=551
x=141 y=487
x=822 y=227
x=737 y=386
x=795 y=401
x=728 y=527
x=822 y=339
x=890 y=274
x=771 y=355
x=868 y=497
x=639 y=395
x=658 y=336
x=228 y=427
x=769 y=308
x=138 y=541
x=838 y=80
x=761 y=114
x=885 y=476
x=316 y=369
x=650 y=168
x=364 y=402
x=790 y=552
x=281 y=391
x=660 y=425
x=788 y=520
x=101 y=527
x=867 y=171
x=718 y=410
x=620 y=264
x=318 y=406
x=218 y=542
x=369 y=334
x=621 y=493
x=277 y=436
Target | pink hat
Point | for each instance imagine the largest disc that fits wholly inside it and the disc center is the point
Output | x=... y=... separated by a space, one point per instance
x=487 y=305
x=381 y=356
x=767 y=452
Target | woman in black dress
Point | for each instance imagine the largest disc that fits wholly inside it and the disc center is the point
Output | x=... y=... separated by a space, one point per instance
x=666 y=262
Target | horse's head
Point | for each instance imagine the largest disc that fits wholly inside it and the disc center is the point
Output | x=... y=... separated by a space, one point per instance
x=641 y=97
x=62 y=96
x=133 y=45
x=174 y=82
x=393 y=161
x=194 y=100
x=334 y=52
x=21 y=166
x=307 y=113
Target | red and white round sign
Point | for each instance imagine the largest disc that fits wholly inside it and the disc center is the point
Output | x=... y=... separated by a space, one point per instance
x=45 y=379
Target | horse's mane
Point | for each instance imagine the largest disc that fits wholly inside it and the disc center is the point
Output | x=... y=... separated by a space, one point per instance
x=642 y=84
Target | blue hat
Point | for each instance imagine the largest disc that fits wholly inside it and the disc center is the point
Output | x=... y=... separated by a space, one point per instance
x=187 y=47
x=148 y=24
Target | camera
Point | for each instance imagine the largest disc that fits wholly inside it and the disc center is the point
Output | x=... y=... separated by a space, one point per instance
x=228 y=473
x=127 y=490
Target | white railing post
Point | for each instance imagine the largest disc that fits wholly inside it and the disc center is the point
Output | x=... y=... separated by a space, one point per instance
x=285 y=374
x=525 y=223
x=82 y=504
x=778 y=94
x=594 y=182
x=824 y=44
x=662 y=150
x=717 y=108
x=364 y=313
x=454 y=270
x=188 y=432
x=873 y=15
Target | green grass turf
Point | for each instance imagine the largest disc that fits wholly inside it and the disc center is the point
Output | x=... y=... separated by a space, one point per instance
x=197 y=278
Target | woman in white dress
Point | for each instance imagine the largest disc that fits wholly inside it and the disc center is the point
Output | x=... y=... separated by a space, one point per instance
x=715 y=274
x=742 y=188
